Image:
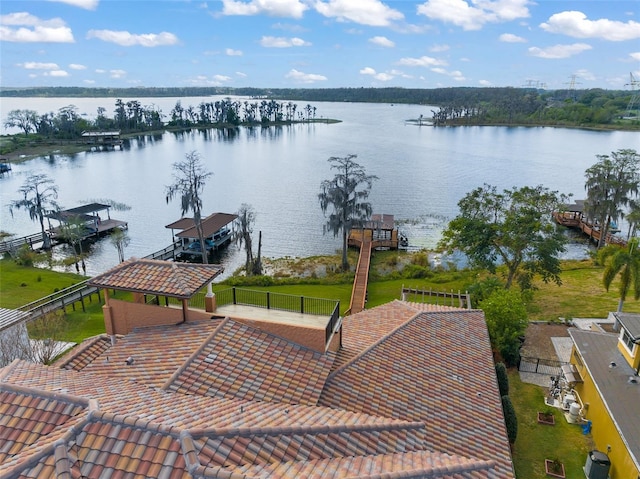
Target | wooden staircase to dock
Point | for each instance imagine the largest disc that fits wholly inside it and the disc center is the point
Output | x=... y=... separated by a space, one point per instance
x=359 y=291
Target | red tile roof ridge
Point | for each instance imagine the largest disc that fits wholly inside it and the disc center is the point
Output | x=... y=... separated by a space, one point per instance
x=433 y=308
x=42 y=448
x=178 y=372
x=134 y=422
x=196 y=469
x=304 y=429
x=372 y=346
x=380 y=466
x=40 y=393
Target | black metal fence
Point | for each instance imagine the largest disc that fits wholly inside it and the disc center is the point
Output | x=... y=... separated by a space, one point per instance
x=548 y=367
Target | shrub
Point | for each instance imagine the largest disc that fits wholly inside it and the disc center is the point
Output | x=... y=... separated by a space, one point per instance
x=510 y=419
x=503 y=379
x=506 y=318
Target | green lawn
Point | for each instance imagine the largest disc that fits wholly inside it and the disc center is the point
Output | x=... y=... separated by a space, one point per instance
x=537 y=442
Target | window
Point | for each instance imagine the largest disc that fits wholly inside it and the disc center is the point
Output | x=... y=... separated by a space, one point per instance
x=627 y=340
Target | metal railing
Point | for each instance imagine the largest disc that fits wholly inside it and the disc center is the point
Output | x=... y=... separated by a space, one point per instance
x=277 y=301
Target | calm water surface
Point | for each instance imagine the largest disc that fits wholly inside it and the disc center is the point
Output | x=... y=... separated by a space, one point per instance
x=423 y=172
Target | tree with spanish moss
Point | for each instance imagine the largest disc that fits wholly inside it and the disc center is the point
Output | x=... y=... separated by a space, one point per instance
x=345 y=197
x=39 y=195
x=611 y=184
x=190 y=178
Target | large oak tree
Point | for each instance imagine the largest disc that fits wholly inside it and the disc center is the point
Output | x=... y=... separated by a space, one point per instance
x=513 y=228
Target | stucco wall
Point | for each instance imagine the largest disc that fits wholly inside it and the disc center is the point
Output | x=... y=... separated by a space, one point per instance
x=126 y=316
x=312 y=338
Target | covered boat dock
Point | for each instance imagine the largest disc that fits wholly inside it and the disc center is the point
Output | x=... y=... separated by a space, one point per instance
x=216 y=231
x=86 y=217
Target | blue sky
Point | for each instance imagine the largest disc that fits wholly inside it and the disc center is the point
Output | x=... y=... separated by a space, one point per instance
x=320 y=43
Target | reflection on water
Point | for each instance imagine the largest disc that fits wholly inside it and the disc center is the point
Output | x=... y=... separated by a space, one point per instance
x=423 y=172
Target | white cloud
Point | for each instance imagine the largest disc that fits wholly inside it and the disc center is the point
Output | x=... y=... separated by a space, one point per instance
x=439 y=48
x=575 y=24
x=39 y=66
x=585 y=74
x=233 y=53
x=635 y=56
x=473 y=15
x=364 y=12
x=127 y=39
x=241 y=75
x=221 y=78
x=76 y=66
x=273 y=8
x=455 y=74
x=86 y=4
x=117 y=73
x=383 y=76
x=485 y=83
x=32 y=29
x=89 y=82
x=100 y=70
x=421 y=62
x=57 y=73
x=382 y=42
x=301 y=77
x=511 y=38
x=559 y=51
x=281 y=42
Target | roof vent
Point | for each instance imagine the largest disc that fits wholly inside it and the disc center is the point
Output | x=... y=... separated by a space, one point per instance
x=612 y=364
x=633 y=380
x=129 y=361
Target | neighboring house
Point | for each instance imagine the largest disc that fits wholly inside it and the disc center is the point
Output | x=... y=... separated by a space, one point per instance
x=609 y=388
x=403 y=390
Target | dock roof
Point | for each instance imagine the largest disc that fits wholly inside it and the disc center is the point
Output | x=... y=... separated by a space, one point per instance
x=210 y=225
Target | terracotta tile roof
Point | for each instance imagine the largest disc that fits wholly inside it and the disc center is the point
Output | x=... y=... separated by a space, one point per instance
x=238 y=361
x=435 y=368
x=29 y=419
x=240 y=402
x=85 y=353
x=418 y=465
x=156 y=352
x=165 y=278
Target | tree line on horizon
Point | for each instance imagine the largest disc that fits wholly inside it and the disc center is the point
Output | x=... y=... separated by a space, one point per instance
x=132 y=116
x=457 y=106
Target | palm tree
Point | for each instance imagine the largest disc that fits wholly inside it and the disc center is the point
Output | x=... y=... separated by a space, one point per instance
x=190 y=178
x=120 y=240
x=626 y=263
x=346 y=194
x=39 y=195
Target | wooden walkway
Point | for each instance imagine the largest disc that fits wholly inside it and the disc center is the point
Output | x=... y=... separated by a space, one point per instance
x=574 y=220
x=359 y=291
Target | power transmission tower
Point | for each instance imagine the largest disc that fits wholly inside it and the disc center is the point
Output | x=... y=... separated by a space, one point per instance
x=635 y=100
x=572 y=87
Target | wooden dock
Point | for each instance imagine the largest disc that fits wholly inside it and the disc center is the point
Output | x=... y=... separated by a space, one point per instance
x=574 y=218
x=378 y=233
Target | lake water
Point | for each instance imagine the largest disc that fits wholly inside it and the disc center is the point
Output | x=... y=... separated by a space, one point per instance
x=423 y=173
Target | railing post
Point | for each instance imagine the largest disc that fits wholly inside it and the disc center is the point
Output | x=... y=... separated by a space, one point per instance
x=302 y=304
x=234 y=295
x=268 y=300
